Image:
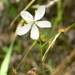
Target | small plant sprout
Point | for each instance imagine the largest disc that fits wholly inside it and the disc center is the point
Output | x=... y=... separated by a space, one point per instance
x=33 y=23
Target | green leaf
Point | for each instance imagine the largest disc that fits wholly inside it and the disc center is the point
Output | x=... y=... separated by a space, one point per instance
x=5 y=63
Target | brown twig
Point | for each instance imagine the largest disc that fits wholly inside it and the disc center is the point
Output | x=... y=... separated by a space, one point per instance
x=67 y=62
x=31 y=2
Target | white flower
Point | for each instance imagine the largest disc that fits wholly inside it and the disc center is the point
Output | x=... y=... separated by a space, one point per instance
x=32 y=23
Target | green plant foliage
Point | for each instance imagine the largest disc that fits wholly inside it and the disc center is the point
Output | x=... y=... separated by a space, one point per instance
x=5 y=49
x=6 y=1
x=13 y=11
x=17 y=1
x=18 y=46
x=5 y=63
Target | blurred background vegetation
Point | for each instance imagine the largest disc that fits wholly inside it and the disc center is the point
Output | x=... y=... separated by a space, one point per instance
x=61 y=14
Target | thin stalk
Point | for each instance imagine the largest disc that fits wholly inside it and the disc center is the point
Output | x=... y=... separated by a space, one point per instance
x=26 y=55
x=69 y=27
x=51 y=44
x=59 y=17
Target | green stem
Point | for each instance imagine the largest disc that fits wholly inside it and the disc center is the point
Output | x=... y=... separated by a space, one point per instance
x=69 y=27
x=51 y=44
x=26 y=55
x=43 y=71
x=59 y=17
x=47 y=42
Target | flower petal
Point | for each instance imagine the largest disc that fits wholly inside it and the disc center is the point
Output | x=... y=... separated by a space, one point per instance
x=40 y=13
x=23 y=30
x=26 y=16
x=43 y=24
x=34 y=32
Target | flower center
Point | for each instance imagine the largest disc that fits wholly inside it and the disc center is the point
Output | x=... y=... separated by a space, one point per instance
x=32 y=22
x=28 y=16
x=26 y=22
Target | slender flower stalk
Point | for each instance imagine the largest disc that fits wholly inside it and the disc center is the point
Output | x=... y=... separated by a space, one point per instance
x=26 y=54
x=33 y=23
x=52 y=43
